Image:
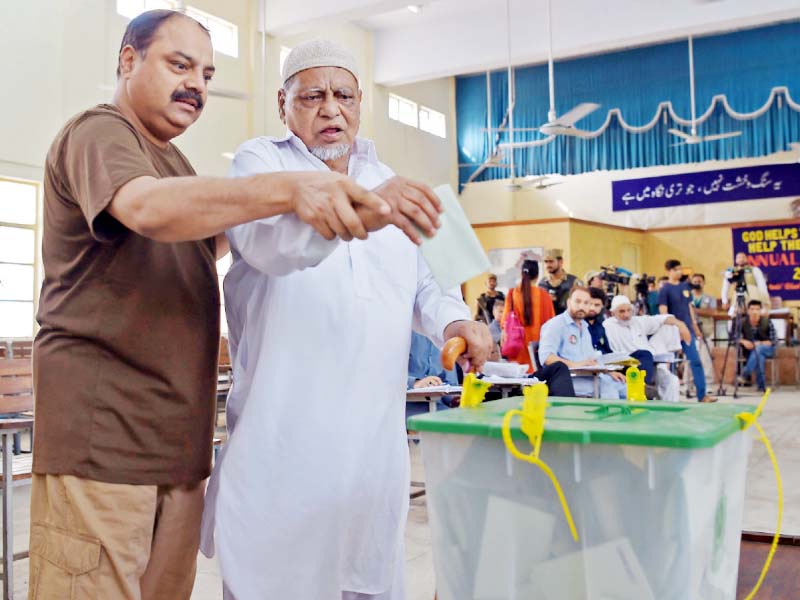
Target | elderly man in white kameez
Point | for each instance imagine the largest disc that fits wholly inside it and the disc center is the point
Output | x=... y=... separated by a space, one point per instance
x=657 y=334
x=309 y=496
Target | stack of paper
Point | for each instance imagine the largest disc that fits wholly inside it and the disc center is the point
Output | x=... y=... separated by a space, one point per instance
x=618 y=358
x=435 y=389
x=497 y=380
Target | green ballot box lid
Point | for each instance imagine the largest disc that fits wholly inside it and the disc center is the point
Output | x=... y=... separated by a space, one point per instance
x=578 y=421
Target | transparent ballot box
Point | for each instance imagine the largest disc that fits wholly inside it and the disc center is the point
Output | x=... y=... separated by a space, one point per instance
x=656 y=491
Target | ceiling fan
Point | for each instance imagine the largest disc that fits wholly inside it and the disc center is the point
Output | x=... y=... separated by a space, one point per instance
x=539 y=182
x=693 y=138
x=565 y=124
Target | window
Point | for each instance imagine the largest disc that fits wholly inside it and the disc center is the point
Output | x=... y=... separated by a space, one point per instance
x=18 y=281
x=403 y=110
x=224 y=34
x=133 y=8
x=432 y=121
x=284 y=55
x=428 y=120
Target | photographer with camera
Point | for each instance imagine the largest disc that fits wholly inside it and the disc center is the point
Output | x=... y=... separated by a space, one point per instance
x=557 y=282
x=746 y=280
x=646 y=295
x=675 y=299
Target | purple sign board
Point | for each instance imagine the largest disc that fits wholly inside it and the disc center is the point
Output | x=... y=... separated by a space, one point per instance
x=705 y=187
x=775 y=249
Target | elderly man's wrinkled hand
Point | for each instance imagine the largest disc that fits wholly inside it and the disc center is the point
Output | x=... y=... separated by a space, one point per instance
x=479 y=343
x=329 y=203
x=415 y=208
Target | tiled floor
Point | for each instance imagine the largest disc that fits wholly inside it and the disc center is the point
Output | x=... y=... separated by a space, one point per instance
x=781 y=421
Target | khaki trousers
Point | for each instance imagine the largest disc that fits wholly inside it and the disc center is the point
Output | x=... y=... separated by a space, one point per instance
x=104 y=541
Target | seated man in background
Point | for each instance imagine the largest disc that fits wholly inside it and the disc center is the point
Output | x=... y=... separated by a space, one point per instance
x=595 y=317
x=758 y=341
x=566 y=339
x=643 y=338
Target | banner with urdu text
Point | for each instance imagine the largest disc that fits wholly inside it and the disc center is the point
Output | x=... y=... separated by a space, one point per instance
x=705 y=187
x=775 y=249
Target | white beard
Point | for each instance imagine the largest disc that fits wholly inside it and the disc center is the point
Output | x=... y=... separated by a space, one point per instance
x=328 y=153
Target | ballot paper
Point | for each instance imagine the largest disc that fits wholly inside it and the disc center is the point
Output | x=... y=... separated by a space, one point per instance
x=454 y=254
x=607 y=571
x=504 y=369
x=615 y=357
x=598 y=368
x=497 y=380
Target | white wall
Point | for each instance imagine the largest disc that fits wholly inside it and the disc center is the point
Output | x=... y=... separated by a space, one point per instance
x=412 y=152
x=59 y=57
x=588 y=197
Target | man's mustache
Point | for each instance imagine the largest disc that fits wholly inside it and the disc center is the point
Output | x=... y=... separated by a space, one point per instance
x=188 y=95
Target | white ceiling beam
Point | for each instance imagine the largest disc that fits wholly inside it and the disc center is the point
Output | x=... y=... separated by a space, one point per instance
x=474 y=41
x=291 y=17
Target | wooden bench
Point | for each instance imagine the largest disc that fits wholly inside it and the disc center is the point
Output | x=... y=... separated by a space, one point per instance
x=16 y=407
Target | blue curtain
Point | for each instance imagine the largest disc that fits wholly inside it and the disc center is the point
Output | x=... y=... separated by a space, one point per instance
x=744 y=66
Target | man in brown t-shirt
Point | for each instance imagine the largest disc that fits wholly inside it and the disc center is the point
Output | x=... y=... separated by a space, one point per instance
x=125 y=360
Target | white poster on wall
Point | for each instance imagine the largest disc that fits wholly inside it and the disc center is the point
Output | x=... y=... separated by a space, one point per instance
x=507 y=264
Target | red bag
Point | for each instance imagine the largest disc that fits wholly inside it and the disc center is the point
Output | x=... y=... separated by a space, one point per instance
x=514 y=338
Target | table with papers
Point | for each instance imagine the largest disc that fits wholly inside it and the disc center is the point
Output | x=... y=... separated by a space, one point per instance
x=594 y=371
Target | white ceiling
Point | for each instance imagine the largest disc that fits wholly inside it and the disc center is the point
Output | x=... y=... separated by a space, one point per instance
x=451 y=37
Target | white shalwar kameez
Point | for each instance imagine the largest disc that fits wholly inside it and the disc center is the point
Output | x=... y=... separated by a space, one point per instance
x=651 y=334
x=308 y=499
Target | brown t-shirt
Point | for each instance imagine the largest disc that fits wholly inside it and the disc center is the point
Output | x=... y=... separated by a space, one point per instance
x=125 y=360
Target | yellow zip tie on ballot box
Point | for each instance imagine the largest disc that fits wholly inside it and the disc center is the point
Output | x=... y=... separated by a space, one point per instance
x=534 y=407
x=747 y=419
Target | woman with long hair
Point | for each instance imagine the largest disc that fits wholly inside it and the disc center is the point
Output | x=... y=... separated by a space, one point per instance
x=533 y=307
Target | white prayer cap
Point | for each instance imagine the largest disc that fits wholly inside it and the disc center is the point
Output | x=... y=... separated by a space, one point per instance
x=619 y=301
x=318 y=53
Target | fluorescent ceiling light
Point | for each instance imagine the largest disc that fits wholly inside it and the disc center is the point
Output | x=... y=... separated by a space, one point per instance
x=228 y=155
x=415 y=8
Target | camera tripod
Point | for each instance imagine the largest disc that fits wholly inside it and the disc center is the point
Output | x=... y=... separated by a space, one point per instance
x=733 y=340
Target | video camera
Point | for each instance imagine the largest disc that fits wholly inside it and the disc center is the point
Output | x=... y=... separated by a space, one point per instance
x=643 y=285
x=616 y=275
x=736 y=277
